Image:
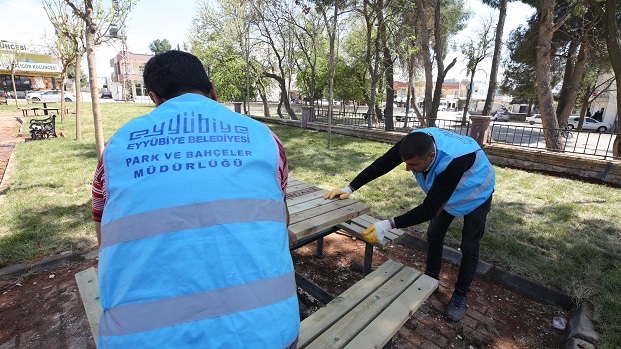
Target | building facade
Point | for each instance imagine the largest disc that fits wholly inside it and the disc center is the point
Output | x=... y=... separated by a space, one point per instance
x=128 y=72
x=35 y=68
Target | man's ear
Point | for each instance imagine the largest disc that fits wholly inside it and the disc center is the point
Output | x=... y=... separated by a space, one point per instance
x=212 y=92
x=156 y=99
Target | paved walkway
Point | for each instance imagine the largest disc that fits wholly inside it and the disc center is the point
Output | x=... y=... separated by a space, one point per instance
x=9 y=137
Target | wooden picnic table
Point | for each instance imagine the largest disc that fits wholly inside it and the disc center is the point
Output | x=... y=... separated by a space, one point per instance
x=311 y=215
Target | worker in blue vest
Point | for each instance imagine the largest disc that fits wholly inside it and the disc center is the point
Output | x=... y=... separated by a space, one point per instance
x=459 y=181
x=190 y=212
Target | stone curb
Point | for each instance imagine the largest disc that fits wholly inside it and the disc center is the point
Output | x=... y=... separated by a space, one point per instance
x=19 y=270
x=581 y=333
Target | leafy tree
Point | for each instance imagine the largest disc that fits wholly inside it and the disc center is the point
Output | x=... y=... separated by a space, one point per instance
x=159 y=46
x=501 y=5
x=608 y=10
x=63 y=48
x=71 y=28
x=475 y=50
x=98 y=21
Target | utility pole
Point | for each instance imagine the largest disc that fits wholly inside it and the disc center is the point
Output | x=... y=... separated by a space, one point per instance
x=126 y=69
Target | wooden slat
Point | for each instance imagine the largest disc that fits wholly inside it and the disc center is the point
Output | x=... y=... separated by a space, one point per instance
x=88 y=287
x=359 y=224
x=321 y=208
x=386 y=325
x=325 y=317
x=297 y=186
x=351 y=324
x=318 y=201
x=328 y=219
x=306 y=197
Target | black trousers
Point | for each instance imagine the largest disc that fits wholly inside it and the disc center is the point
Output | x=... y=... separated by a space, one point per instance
x=471 y=234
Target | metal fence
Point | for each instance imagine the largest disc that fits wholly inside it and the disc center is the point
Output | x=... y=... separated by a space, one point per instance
x=521 y=135
x=573 y=141
x=400 y=123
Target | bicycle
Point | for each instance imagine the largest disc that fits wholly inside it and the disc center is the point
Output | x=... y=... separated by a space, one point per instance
x=566 y=132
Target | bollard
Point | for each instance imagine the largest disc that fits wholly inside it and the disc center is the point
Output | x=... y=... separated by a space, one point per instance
x=306 y=116
x=237 y=106
x=479 y=128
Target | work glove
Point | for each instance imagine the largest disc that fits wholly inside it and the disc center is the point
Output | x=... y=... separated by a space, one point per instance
x=342 y=193
x=376 y=232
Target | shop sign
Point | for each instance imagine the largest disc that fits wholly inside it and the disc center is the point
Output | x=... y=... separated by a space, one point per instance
x=29 y=66
x=12 y=46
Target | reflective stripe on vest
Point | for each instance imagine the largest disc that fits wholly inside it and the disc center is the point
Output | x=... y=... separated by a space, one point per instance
x=146 y=224
x=476 y=192
x=138 y=317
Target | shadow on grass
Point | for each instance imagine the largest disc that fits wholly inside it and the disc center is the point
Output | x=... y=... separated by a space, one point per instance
x=45 y=232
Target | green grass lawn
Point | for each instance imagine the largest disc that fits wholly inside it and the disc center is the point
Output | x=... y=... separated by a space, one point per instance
x=563 y=233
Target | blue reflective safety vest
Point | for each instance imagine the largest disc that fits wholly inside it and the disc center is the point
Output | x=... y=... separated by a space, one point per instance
x=476 y=185
x=194 y=250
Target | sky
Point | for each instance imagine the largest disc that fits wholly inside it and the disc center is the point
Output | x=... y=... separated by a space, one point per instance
x=25 y=21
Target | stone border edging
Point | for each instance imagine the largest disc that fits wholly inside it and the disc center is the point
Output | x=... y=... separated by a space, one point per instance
x=580 y=331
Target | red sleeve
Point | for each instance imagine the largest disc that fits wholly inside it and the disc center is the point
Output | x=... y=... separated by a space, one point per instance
x=283 y=167
x=99 y=192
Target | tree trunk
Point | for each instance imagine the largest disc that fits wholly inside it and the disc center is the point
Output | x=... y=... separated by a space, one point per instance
x=464 y=118
x=493 y=76
x=544 y=88
x=390 y=83
x=426 y=53
x=63 y=76
x=14 y=88
x=91 y=58
x=614 y=53
x=78 y=97
x=572 y=86
x=284 y=99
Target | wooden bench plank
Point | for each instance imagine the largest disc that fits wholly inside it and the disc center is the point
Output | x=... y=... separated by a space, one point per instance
x=325 y=317
x=88 y=286
x=355 y=321
x=299 y=207
x=358 y=224
x=328 y=219
x=303 y=198
x=316 y=208
x=388 y=323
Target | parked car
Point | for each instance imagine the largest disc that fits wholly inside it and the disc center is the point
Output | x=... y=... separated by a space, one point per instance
x=501 y=116
x=401 y=116
x=106 y=94
x=534 y=119
x=49 y=96
x=588 y=124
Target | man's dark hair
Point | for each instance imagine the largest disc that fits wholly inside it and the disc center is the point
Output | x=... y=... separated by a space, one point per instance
x=416 y=144
x=173 y=73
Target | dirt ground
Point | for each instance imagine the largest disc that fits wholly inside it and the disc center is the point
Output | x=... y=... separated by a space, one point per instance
x=44 y=310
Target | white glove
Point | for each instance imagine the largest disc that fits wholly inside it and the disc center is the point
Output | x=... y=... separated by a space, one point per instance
x=376 y=231
x=342 y=193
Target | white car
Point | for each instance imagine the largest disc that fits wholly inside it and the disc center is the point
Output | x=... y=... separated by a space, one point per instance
x=501 y=116
x=534 y=119
x=588 y=124
x=49 y=96
x=401 y=116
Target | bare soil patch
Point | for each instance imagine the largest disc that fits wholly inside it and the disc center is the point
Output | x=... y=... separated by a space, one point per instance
x=44 y=310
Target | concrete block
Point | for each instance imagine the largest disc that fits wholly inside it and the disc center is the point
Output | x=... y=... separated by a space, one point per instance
x=13 y=271
x=532 y=289
x=581 y=326
x=576 y=343
x=57 y=260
